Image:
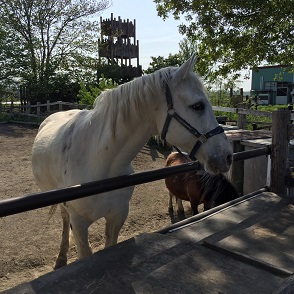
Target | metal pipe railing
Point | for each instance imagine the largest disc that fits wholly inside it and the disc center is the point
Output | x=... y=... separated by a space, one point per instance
x=38 y=200
x=191 y=220
x=42 y=199
x=251 y=153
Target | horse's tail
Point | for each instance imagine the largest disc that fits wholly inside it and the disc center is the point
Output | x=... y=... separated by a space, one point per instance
x=52 y=211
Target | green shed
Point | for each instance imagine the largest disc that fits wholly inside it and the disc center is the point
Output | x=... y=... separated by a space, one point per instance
x=273 y=84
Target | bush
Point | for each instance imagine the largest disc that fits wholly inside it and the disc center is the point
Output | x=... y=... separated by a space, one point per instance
x=88 y=93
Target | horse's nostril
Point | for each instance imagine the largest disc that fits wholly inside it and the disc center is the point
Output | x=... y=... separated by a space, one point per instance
x=229 y=160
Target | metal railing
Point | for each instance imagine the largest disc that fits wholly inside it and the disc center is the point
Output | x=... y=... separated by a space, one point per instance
x=38 y=200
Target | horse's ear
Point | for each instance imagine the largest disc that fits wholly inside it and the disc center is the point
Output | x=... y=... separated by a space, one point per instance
x=186 y=67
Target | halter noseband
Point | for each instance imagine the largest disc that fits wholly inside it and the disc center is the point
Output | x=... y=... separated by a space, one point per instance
x=171 y=113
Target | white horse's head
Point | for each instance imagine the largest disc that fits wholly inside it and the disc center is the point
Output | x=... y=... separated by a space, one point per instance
x=187 y=120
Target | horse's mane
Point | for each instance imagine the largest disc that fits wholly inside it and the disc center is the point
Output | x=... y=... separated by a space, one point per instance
x=215 y=185
x=128 y=100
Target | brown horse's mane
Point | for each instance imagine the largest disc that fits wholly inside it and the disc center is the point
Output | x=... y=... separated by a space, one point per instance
x=211 y=185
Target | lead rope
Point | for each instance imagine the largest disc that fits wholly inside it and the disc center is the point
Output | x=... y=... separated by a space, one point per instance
x=183 y=154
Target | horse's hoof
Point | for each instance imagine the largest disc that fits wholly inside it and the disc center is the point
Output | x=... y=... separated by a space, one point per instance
x=181 y=212
x=60 y=263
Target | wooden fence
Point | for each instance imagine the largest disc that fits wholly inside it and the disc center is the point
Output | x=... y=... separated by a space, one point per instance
x=39 y=110
x=242 y=116
x=282 y=132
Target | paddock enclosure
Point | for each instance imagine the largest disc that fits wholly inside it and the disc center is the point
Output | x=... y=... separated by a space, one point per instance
x=29 y=243
x=245 y=246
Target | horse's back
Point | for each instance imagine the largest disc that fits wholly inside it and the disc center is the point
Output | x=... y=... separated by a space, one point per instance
x=175 y=158
x=48 y=153
x=59 y=118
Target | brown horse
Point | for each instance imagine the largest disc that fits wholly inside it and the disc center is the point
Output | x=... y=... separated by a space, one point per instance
x=198 y=187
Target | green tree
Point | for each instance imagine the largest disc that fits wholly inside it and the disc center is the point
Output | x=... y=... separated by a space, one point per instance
x=160 y=62
x=232 y=35
x=88 y=93
x=186 y=48
x=43 y=39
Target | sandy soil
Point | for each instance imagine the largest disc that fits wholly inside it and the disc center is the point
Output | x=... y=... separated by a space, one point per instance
x=29 y=242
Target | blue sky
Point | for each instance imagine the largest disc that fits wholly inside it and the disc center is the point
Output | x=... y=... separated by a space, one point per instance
x=156 y=36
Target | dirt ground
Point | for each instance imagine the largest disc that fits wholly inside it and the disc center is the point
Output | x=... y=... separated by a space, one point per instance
x=29 y=242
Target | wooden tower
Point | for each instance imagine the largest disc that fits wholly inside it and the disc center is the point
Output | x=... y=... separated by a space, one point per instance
x=119 y=46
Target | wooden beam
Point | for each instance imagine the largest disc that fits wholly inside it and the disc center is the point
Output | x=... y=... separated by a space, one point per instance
x=279 y=150
x=237 y=169
x=290 y=132
x=241 y=120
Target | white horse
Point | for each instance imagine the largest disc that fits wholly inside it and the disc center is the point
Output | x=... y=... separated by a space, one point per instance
x=79 y=146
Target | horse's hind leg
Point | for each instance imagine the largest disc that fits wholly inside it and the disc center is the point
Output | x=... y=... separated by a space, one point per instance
x=170 y=203
x=64 y=246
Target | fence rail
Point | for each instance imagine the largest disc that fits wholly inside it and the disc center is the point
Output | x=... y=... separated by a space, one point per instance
x=59 y=105
x=42 y=199
x=243 y=111
x=251 y=153
x=242 y=116
x=38 y=200
x=40 y=109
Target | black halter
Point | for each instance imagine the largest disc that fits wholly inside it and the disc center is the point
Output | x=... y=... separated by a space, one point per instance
x=171 y=113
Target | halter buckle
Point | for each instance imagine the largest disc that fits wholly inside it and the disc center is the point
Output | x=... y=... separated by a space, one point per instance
x=202 y=138
x=171 y=111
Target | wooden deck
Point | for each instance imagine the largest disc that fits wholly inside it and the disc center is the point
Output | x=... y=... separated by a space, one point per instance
x=244 y=248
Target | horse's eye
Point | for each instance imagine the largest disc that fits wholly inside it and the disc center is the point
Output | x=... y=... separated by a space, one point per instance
x=197 y=106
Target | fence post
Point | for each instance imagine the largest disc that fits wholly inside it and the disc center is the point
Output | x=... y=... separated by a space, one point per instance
x=28 y=106
x=241 y=120
x=11 y=106
x=237 y=169
x=279 y=150
x=38 y=109
x=48 y=106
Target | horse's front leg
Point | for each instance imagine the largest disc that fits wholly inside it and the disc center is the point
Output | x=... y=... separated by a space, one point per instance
x=114 y=223
x=64 y=246
x=180 y=205
x=194 y=206
x=80 y=231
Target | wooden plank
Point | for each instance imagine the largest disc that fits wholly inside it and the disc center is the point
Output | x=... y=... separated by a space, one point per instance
x=289 y=181
x=279 y=150
x=243 y=111
x=290 y=132
x=237 y=169
x=254 y=112
x=241 y=121
x=249 y=260
x=238 y=135
x=225 y=109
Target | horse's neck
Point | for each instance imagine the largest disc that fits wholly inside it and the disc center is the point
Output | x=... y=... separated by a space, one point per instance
x=129 y=143
x=121 y=147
